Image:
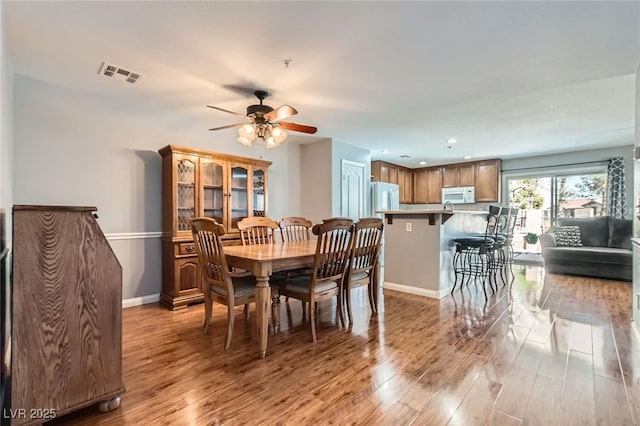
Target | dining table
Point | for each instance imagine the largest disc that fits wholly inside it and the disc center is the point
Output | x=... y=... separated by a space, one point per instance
x=262 y=260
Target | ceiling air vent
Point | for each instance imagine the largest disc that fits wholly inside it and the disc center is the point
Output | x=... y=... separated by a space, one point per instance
x=119 y=73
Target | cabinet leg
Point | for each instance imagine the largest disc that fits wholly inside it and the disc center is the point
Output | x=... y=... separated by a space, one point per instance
x=109 y=404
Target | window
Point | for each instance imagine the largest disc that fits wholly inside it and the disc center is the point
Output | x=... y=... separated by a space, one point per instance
x=543 y=199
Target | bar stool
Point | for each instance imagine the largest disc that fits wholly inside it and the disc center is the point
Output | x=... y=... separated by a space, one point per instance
x=475 y=254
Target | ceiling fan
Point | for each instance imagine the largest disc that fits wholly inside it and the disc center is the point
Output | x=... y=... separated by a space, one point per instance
x=265 y=123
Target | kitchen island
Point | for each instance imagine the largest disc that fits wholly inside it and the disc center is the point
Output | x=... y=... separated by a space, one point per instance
x=419 y=248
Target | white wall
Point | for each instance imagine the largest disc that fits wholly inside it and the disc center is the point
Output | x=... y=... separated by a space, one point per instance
x=77 y=148
x=544 y=162
x=343 y=151
x=6 y=142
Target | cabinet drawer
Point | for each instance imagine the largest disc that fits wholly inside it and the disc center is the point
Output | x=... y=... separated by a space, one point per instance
x=187 y=248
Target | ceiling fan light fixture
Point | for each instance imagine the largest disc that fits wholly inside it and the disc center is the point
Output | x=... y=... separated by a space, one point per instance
x=265 y=123
x=244 y=141
x=278 y=135
x=246 y=135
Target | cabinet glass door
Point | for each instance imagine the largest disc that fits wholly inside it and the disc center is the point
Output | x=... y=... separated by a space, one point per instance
x=239 y=194
x=212 y=188
x=258 y=199
x=186 y=197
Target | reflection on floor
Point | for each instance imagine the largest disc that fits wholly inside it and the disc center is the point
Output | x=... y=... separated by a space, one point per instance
x=553 y=350
x=524 y=258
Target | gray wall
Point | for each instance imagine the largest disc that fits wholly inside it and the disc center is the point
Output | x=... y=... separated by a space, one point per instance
x=321 y=177
x=315 y=178
x=77 y=148
x=6 y=142
x=560 y=160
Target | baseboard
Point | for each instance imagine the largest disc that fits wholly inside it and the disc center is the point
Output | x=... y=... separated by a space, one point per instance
x=433 y=294
x=137 y=301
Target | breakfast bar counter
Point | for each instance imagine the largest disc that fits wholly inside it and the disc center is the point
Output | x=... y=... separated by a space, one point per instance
x=419 y=248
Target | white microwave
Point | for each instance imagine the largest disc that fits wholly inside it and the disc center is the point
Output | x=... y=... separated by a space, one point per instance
x=459 y=195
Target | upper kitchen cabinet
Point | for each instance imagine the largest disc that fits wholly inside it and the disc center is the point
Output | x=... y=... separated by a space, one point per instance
x=381 y=171
x=487 y=180
x=427 y=185
x=405 y=182
x=420 y=186
x=434 y=195
x=458 y=175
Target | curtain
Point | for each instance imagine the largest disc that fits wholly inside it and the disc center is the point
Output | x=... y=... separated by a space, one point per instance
x=616 y=188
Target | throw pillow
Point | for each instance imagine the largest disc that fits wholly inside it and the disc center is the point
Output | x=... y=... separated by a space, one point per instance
x=568 y=236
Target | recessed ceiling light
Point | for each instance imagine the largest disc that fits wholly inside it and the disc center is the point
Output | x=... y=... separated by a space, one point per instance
x=385 y=151
x=422 y=163
x=466 y=157
x=451 y=141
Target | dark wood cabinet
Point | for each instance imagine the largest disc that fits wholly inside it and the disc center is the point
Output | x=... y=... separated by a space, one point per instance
x=487 y=181
x=200 y=183
x=66 y=329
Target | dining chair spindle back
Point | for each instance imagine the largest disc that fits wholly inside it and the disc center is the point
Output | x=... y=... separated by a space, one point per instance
x=219 y=286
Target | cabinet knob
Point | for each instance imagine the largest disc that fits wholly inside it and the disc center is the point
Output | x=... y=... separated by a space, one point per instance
x=189 y=249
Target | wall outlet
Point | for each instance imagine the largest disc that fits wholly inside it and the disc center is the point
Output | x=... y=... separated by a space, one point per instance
x=408 y=226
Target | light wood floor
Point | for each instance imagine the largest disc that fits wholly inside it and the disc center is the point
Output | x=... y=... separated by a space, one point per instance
x=553 y=351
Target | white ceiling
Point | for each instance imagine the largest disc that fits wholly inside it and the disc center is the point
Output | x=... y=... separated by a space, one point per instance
x=506 y=79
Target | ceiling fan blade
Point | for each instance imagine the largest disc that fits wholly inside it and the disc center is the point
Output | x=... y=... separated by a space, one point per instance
x=229 y=126
x=225 y=110
x=280 y=113
x=298 y=127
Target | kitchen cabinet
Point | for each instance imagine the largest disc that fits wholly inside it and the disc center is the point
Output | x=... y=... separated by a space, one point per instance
x=381 y=171
x=427 y=185
x=201 y=183
x=393 y=174
x=458 y=175
x=424 y=185
x=420 y=186
x=487 y=181
x=434 y=194
x=407 y=186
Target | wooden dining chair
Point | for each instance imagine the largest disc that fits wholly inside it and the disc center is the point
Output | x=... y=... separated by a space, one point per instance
x=219 y=286
x=260 y=230
x=257 y=230
x=295 y=229
x=335 y=237
x=364 y=261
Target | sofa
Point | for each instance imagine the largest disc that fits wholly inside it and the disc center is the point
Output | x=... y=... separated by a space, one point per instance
x=603 y=248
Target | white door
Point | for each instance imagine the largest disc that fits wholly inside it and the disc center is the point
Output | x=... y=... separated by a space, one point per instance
x=352 y=190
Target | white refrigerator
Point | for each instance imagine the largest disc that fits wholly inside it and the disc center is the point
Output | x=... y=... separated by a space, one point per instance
x=384 y=196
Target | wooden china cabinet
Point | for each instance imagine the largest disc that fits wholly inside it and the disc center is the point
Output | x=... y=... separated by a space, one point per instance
x=198 y=183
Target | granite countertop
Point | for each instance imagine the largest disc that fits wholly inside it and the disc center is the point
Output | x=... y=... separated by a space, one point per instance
x=430 y=211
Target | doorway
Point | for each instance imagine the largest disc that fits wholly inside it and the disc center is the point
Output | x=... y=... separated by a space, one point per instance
x=543 y=199
x=352 y=175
